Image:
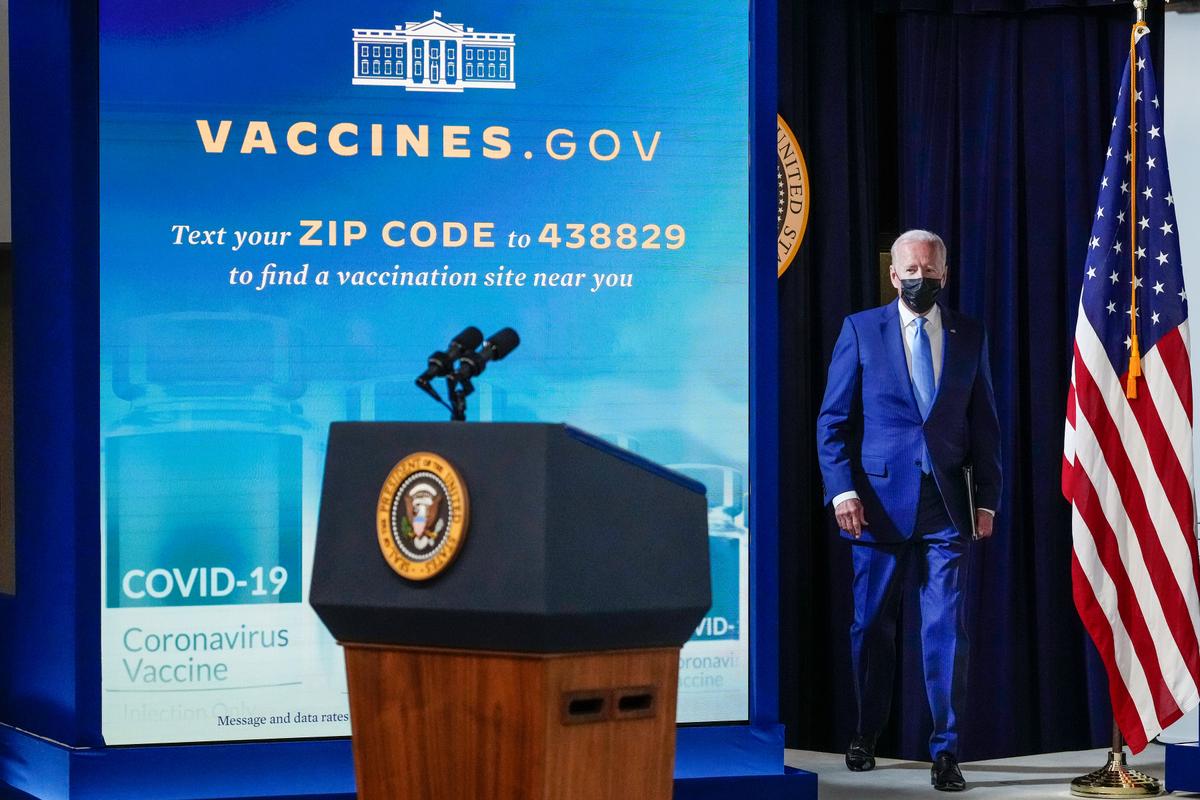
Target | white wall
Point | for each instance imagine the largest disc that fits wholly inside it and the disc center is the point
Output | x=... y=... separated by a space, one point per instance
x=1181 y=127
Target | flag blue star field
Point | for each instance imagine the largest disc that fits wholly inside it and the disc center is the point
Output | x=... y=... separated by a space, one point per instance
x=1127 y=457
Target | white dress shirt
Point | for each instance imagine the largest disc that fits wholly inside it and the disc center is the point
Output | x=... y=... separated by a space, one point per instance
x=908 y=327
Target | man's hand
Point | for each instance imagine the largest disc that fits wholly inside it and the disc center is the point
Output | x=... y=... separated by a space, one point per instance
x=851 y=519
x=983 y=524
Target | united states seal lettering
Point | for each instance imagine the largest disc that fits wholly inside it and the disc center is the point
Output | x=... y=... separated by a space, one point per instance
x=421 y=516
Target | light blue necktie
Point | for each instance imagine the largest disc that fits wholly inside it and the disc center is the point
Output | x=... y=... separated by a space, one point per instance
x=922 y=379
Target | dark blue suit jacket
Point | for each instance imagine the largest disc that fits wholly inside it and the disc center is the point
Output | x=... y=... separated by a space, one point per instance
x=869 y=430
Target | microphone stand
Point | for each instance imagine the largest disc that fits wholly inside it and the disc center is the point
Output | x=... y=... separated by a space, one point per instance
x=458 y=391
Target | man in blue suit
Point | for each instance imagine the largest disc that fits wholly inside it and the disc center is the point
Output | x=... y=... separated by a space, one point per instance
x=908 y=404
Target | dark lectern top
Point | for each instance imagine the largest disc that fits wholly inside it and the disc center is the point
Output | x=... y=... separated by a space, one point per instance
x=572 y=544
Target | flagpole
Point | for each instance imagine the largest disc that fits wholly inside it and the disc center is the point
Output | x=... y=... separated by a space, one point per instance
x=1135 y=355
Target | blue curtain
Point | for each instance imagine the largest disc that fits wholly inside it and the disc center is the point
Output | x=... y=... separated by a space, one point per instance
x=827 y=95
x=1001 y=114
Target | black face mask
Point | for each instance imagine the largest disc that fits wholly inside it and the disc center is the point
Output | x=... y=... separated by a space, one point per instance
x=919 y=294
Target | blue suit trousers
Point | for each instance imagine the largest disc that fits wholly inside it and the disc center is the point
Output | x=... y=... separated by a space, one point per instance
x=936 y=555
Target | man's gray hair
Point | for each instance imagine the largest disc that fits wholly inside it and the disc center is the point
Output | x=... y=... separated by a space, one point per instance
x=917 y=235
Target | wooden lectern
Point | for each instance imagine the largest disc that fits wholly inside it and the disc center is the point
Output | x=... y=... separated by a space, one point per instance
x=531 y=653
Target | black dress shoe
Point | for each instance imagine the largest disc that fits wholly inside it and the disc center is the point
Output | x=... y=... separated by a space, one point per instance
x=860 y=755
x=945 y=775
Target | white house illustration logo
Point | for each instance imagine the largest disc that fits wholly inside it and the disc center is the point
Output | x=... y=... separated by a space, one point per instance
x=434 y=56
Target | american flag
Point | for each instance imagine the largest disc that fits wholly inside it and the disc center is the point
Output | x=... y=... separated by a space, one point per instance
x=1127 y=461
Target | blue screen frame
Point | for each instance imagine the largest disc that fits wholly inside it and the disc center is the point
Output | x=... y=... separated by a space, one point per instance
x=50 y=630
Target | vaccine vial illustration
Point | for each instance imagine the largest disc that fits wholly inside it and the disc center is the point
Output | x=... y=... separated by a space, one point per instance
x=203 y=472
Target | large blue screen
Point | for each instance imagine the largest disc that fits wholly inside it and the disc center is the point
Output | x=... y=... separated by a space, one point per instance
x=299 y=202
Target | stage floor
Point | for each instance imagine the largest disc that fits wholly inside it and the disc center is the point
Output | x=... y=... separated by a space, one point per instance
x=1041 y=777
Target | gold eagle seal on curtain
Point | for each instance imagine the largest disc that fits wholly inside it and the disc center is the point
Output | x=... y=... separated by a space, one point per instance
x=792 y=194
x=421 y=517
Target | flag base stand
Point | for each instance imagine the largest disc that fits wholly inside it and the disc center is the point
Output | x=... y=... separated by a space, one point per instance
x=1116 y=778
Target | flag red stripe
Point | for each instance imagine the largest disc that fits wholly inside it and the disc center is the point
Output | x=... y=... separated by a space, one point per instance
x=1170 y=472
x=1124 y=709
x=1172 y=475
x=1174 y=606
x=1087 y=502
x=1069 y=431
x=1173 y=352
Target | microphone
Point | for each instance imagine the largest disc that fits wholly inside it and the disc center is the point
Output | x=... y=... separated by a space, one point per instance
x=442 y=362
x=498 y=345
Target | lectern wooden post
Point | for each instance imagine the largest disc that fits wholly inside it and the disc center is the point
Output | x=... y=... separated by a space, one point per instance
x=533 y=652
